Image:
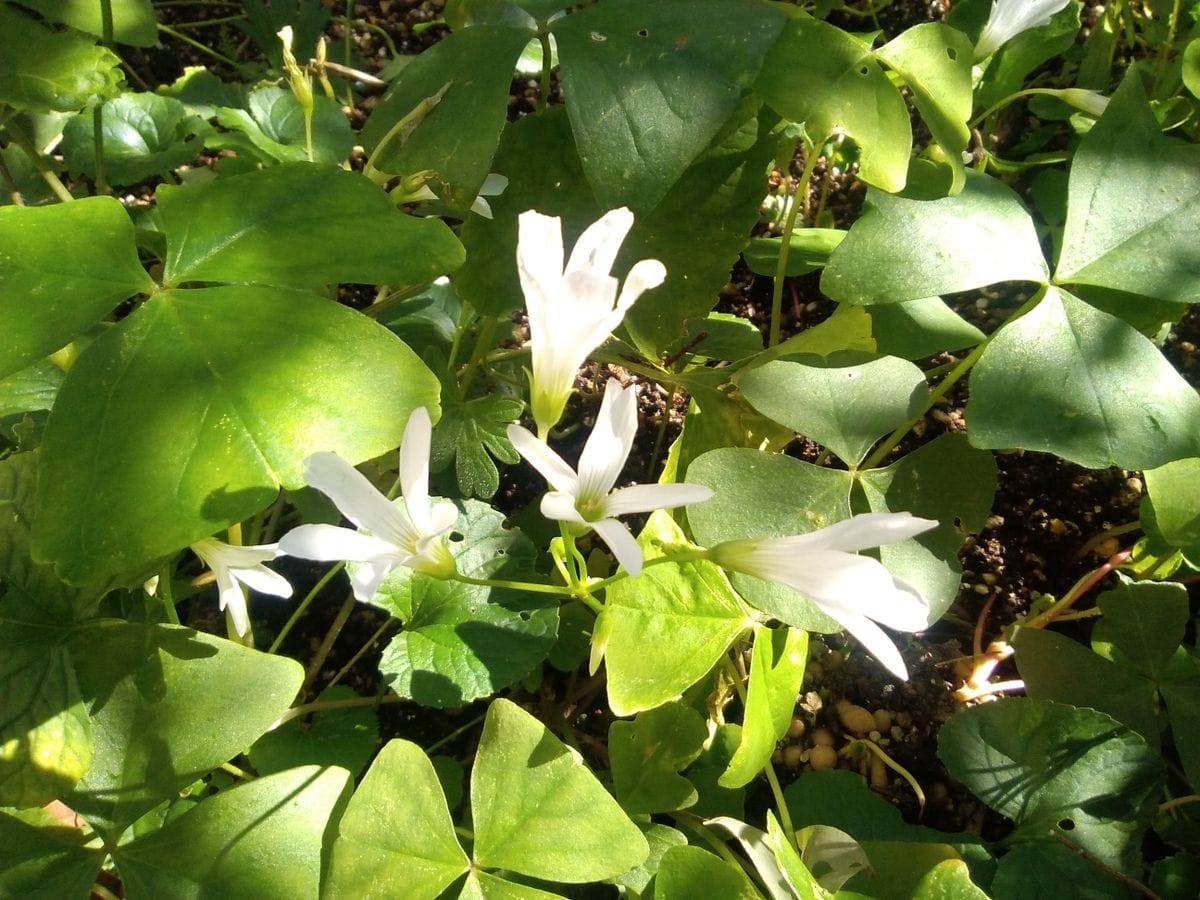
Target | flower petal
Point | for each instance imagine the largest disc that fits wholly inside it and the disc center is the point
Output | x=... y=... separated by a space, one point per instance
x=231 y=597
x=623 y=544
x=1009 y=18
x=645 y=274
x=860 y=532
x=834 y=580
x=542 y=458
x=608 y=445
x=329 y=542
x=539 y=260
x=358 y=499
x=877 y=643
x=597 y=247
x=639 y=498
x=414 y=468
x=263 y=580
x=494 y=185
x=368 y=576
x=561 y=508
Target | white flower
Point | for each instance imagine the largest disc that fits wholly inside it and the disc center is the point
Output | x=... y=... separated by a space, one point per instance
x=1011 y=17
x=232 y=564
x=587 y=498
x=572 y=311
x=853 y=589
x=411 y=534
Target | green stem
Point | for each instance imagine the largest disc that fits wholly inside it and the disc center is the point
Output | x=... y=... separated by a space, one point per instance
x=165 y=594
x=1164 y=51
x=348 y=50
x=361 y=652
x=532 y=587
x=204 y=23
x=325 y=705
x=402 y=129
x=21 y=139
x=442 y=742
x=967 y=363
x=299 y=611
x=196 y=45
x=106 y=22
x=101 y=180
x=687 y=556
x=785 y=815
x=483 y=343
x=318 y=660
x=799 y=201
x=10 y=184
x=544 y=84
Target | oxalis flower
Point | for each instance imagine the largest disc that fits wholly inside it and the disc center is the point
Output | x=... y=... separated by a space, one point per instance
x=411 y=533
x=1009 y=18
x=854 y=590
x=586 y=498
x=572 y=310
x=235 y=566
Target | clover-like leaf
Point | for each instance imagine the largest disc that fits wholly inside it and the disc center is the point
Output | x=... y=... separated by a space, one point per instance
x=39 y=856
x=159 y=698
x=650 y=85
x=1173 y=491
x=62 y=269
x=1145 y=248
x=664 y=630
x=461 y=641
x=299 y=225
x=905 y=248
x=191 y=412
x=334 y=737
x=817 y=74
x=915 y=329
x=539 y=811
x=647 y=755
x=1068 y=379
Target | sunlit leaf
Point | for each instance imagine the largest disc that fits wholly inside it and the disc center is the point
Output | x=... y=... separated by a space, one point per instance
x=647 y=755
x=273 y=120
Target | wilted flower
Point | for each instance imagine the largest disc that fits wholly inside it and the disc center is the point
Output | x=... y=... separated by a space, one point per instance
x=234 y=566
x=824 y=567
x=586 y=498
x=572 y=311
x=1011 y=17
x=412 y=533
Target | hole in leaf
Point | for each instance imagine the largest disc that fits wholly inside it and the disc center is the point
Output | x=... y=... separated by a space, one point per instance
x=457 y=537
x=1066 y=824
x=642 y=32
x=952 y=53
x=524 y=616
x=864 y=71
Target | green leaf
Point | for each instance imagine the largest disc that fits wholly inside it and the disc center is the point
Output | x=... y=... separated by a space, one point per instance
x=48 y=71
x=915 y=329
x=1176 y=877
x=661 y=838
x=1147 y=247
x=759 y=494
x=904 y=248
x=334 y=737
x=1173 y=491
x=461 y=642
x=829 y=80
x=719 y=336
x=264 y=19
x=539 y=811
x=692 y=872
x=699 y=228
x=1142 y=625
x=649 y=86
x=467 y=433
x=776 y=671
x=1056 y=769
x=133 y=21
x=935 y=62
x=299 y=225
x=190 y=413
x=647 y=754
x=705 y=772
x=945 y=480
x=1191 y=67
x=664 y=630
x=1046 y=870
x=1057 y=668
x=43 y=858
x=1068 y=379
x=477 y=64
x=1009 y=67
x=160 y=698
x=62 y=269
x=1180 y=688
x=906 y=871
x=847 y=409
x=143 y=135
x=396 y=830
x=32 y=389
x=808 y=251
x=273 y=120
x=262 y=838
